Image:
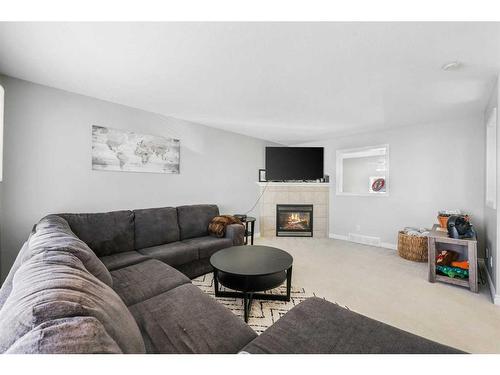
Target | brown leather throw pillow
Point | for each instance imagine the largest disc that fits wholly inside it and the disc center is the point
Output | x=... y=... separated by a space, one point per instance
x=217 y=226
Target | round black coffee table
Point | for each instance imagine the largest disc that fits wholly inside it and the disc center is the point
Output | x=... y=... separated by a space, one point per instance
x=252 y=269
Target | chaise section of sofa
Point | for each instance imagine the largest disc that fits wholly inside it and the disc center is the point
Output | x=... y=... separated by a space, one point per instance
x=316 y=326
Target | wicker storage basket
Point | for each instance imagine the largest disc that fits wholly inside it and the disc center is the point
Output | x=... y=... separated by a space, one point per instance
x=412 y=247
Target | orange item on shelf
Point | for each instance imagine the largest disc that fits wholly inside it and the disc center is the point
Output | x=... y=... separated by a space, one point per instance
x=443 y=221
x=464 y=264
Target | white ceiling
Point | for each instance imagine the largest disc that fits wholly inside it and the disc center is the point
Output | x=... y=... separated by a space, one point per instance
x=285 y=82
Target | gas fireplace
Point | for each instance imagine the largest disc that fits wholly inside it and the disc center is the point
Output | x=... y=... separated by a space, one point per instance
x=294 y=220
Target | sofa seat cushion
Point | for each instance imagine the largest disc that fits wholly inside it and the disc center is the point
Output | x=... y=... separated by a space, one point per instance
x=174 y=254
x=116 y=261
x=194 y=219
x=80 y=334
x=55 y=285
x=145 y=280
x=196 y=268
x=156 y=226
x=185 y=320
x=106 y=233
x=208 y=245
x=318 y=326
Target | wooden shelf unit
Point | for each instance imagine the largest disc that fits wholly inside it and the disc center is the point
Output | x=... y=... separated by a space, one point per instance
x=439 y=240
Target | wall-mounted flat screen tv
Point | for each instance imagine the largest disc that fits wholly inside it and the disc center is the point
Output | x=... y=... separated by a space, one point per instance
x=294 y=163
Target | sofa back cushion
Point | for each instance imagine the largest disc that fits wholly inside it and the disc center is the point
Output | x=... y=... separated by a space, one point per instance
x=52 y=233
x=194 y=219
x=155 y=226
x=54 y=285
x=105 y=233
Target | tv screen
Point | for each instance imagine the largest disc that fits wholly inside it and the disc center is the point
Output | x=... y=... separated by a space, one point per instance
x=294 y=163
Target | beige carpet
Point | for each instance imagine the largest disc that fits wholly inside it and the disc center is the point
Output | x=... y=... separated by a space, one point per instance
x=263 y=313
x=377 y=283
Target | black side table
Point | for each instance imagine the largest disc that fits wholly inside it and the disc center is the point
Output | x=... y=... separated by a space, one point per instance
x=249 y=229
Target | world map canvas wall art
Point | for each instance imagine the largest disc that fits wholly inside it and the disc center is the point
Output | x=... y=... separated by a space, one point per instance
x=119 y=150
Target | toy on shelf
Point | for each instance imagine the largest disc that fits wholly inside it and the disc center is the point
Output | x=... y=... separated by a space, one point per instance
x=445 y=257
x=459 y=226
x=453 y=272
x=444 y=215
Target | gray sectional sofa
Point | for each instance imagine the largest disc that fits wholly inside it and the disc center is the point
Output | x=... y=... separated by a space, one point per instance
x=119 y=282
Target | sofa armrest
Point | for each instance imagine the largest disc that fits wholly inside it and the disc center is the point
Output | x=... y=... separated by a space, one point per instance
x=236 y=232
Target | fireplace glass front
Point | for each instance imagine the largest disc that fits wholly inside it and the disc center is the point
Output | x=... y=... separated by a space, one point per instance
x=294 y=220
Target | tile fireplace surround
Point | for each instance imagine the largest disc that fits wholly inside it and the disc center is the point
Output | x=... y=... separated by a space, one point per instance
x=316 y=194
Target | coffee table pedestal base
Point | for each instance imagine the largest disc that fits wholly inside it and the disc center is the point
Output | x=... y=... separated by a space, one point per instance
x=249 y=296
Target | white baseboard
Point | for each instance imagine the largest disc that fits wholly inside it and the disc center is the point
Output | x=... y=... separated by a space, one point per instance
x=338 y=236
x=385 y=245
x=494 y=296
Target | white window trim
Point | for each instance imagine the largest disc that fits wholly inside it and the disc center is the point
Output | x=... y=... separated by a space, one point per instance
x=491 y=131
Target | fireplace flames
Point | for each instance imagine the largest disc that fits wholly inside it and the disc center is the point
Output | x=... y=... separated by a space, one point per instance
x=296 y=221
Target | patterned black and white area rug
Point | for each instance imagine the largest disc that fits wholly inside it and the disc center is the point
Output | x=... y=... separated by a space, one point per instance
x=263 y=313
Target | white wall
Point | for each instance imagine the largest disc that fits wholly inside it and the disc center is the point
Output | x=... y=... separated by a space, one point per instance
x=491 y=215
x=432 y=167
x=47 y=162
